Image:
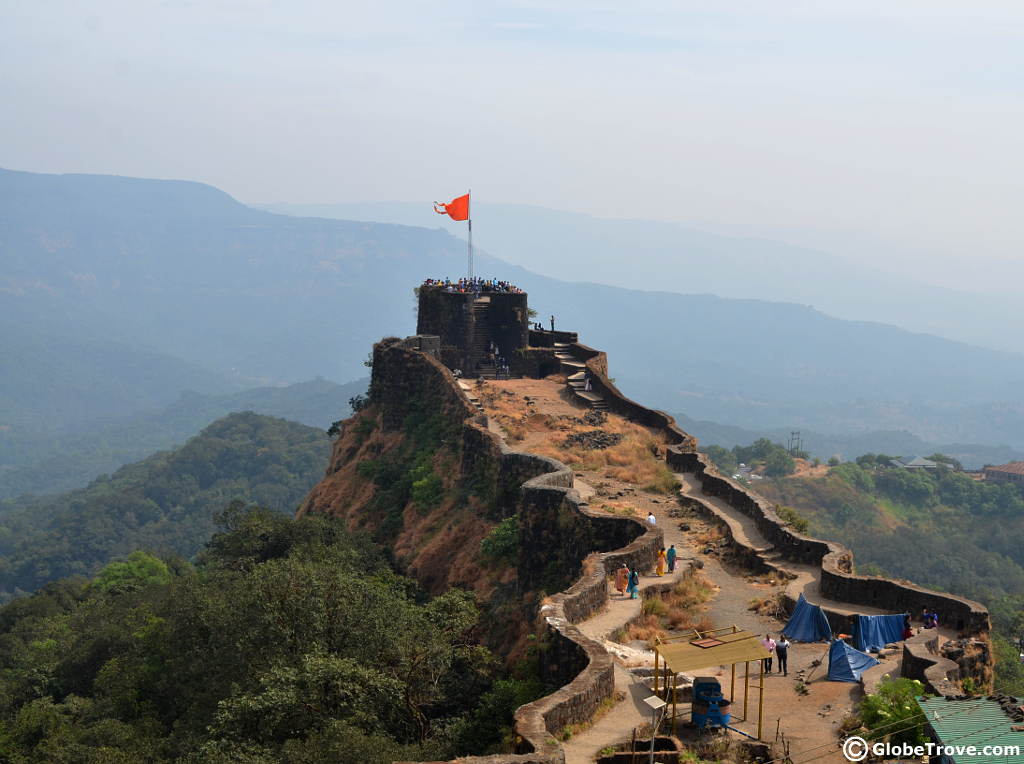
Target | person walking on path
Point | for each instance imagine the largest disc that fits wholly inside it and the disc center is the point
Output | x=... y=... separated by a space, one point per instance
x=622 y=579
x=670 y=555
x=651 y=518
x=782 y=653
x=769 y=645
x=634 y=583
x=660 y=570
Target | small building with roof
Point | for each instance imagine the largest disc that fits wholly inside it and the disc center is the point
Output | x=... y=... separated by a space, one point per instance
x=915 y=463
x=984 y=723
x=1012 y=472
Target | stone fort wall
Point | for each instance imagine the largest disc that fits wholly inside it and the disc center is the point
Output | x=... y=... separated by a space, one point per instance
x=552 y=516
x=560 y=537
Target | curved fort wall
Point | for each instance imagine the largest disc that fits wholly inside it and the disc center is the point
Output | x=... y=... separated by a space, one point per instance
x=559 y=537
x=552 y=516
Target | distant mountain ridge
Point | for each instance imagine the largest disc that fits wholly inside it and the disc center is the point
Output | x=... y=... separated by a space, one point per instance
x=651 y=254
x=72 y=461
x=847 y=447
x=263 y=298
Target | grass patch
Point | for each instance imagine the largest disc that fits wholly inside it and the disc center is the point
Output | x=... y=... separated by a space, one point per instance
x=635 y=459
x=619 y=508
x=772 y=606
x=603 y=708
x=791 y=517
x=679 y=609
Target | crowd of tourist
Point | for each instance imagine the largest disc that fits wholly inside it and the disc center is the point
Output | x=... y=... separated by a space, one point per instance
x=475 y=284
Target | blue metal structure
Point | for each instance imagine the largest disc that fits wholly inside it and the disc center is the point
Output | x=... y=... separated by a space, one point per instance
x=709 y=708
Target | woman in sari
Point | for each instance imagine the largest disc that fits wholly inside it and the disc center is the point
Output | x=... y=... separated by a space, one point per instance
x=662 y=562
x=622 y=579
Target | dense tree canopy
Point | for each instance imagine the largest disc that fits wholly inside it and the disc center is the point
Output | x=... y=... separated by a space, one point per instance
x=165 y=503
x=288 y=641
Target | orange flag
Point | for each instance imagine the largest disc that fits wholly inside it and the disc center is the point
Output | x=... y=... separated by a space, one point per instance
x=456 y=209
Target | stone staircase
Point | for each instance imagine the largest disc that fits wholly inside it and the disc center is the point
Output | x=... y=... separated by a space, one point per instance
x=480 y=357
x=471 y=394
x=576 y=378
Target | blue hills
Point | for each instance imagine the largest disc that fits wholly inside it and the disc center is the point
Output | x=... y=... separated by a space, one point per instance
x=167 y=286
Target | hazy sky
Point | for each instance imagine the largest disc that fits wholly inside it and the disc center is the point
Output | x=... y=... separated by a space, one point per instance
x=899 y=122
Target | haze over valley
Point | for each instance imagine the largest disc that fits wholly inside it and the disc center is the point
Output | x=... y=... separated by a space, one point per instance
x=394 y=382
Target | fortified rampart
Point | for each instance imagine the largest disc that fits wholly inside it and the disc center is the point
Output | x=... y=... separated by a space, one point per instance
x=552 y=516
x=838 y=582
x=470 y=323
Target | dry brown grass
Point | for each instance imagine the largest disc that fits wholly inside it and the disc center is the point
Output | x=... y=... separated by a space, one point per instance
x=711 y=535
x=679 y=609
x=772 y=606
x=619 y=508
x=634 y=460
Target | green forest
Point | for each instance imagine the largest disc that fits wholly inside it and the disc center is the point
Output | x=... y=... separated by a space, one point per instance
x=164 y=504
x=287 y=641
x=940 y=529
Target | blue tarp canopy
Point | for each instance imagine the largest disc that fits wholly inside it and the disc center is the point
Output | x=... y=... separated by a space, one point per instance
x=845 y=664
x=873 y=632
x=808 y=623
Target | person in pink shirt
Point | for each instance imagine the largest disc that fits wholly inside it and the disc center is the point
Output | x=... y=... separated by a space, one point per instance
x=769 y=645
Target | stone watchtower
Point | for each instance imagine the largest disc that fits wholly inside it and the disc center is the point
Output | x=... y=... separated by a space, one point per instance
x=469 y=323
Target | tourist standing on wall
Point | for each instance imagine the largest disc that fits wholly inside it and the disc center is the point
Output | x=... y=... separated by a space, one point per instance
x=552 y=322
x=782 y=652
x=769 y=645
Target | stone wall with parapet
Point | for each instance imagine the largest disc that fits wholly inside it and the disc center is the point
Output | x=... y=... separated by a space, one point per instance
x=560 y=537
x=405 y=381
x=597 y=363
x=838 y=582
x=921 y=659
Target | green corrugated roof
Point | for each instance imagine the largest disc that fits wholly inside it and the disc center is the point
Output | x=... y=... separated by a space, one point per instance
x=978 y=722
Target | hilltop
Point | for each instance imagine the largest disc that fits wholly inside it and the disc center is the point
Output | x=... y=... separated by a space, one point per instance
x=256 y=298
x=291 y=639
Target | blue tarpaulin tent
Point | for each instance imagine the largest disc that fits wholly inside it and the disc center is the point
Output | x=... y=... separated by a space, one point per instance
x=873 y=632
x=808 y=623
x=845 y=664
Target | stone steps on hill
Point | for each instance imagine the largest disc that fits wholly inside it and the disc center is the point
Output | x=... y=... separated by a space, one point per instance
x=470 y=394
x=594 y=400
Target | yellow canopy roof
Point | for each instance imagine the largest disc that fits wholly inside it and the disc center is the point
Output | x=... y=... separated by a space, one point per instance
x=737 y=647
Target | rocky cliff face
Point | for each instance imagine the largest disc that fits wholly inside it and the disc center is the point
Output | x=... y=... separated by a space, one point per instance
x=400 y=471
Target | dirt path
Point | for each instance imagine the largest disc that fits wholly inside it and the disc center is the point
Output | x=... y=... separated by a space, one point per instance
x=808 y=721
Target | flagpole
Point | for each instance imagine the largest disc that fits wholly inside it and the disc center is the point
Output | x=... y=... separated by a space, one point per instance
x=469 y=219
